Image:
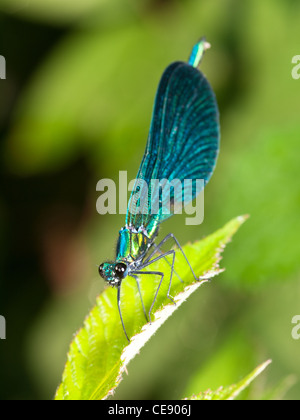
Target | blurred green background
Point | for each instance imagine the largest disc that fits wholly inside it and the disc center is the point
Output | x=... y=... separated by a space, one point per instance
x=75 y=108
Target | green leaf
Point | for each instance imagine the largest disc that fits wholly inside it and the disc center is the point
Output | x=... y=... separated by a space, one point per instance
x=99 y=353
x=230 y=392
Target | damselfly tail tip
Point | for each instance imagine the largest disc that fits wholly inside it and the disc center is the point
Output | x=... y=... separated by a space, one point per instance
x=206 y=45
x=198 y=51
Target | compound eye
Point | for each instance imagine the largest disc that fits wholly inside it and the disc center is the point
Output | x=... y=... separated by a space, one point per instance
x=101 y=271
x=120 y=270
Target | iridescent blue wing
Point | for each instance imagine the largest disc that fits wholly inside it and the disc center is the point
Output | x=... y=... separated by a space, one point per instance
x=183 y=143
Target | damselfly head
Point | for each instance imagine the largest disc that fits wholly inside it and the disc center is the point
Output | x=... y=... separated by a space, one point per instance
x=113 y=273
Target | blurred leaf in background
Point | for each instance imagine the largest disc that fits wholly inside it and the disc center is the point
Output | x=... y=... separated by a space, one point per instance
x=75 y=108
x=53 y=11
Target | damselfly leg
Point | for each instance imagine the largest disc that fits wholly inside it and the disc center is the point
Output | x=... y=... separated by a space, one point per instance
x=146 y=263
x=119 y=308
x=162 y=242
x=161 y=274
x=140 y=293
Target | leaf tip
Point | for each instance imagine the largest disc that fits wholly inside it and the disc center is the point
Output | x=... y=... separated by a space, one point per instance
x=243 y=218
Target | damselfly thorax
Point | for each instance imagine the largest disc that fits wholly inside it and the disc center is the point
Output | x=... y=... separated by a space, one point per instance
x=133 y=244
